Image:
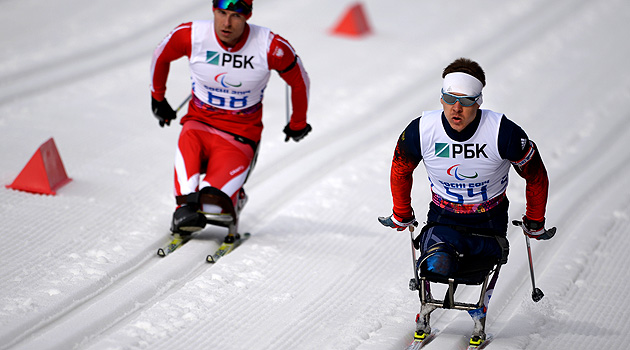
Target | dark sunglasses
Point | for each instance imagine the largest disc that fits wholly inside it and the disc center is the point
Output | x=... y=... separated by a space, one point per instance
x=239 y=6
x=465 y=101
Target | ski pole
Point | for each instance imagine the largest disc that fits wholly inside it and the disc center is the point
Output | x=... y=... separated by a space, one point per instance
x=288 y=103
x=537 y=294
x=413 y=255
x=414 y=284
x=183 y=103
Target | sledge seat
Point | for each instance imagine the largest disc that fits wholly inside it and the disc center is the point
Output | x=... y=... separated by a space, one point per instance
x=470 y=272
x=211 y=195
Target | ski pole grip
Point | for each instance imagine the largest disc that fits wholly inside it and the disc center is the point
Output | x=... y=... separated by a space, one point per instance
x=546 y=235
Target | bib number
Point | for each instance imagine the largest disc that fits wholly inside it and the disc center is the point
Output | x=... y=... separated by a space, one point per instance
x=220 y=101
x=483 y=192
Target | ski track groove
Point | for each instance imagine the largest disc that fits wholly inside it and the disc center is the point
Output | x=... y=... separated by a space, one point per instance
x=196 y=267
x=80 y=309
x=239 y=310
x=345 y=289
x=101 y=280
x=233 y=309
x=320 y=304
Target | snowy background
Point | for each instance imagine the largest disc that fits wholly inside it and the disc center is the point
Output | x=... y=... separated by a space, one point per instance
x=79 y=270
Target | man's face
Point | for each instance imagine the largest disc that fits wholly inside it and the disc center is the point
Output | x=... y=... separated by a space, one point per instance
x=458 y=116
x=229 y=26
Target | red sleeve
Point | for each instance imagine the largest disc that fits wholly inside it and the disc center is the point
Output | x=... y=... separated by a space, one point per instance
x=532 y=169
x=401 y=181
x=177 y=44
x=283 y=58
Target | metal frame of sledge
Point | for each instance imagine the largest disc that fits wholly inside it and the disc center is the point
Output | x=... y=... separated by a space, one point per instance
x=474 y=274
x=449 y=299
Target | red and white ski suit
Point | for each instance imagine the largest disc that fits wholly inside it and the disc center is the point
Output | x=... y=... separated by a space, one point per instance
x=224 y=121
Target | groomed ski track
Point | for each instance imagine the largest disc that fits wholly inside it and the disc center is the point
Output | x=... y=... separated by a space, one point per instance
x=79 y=270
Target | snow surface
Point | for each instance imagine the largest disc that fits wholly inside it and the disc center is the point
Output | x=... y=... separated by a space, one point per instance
x=79 y=271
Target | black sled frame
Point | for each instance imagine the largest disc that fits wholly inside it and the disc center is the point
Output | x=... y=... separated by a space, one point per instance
x=229 y=216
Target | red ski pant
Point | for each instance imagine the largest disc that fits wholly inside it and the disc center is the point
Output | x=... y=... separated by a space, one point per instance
x=203 y=149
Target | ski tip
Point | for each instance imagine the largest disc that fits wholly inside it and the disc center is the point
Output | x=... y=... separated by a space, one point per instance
x=160 y=252
x=210 y=259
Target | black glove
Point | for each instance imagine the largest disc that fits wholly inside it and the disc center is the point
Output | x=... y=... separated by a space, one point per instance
x=296 y=135
x=163 y=111
x=536 y=229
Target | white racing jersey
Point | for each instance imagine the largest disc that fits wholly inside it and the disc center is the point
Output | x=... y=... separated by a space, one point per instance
x=229 y=80
x=469 y=172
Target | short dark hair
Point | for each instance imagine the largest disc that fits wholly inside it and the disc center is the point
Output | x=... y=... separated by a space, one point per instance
x=468 y=66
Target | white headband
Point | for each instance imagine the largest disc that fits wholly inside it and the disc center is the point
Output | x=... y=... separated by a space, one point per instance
x=464 y=84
